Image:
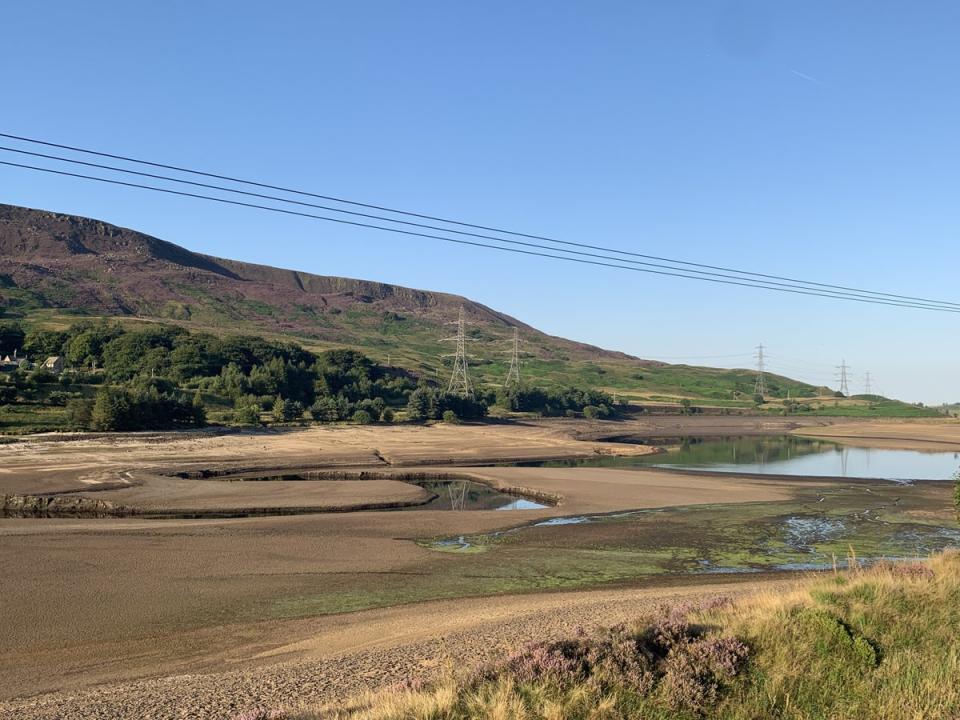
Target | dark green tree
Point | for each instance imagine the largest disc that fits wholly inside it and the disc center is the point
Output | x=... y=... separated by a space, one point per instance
x=40 y=344
x=11 y=337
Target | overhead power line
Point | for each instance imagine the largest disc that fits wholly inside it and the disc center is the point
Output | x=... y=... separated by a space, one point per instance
x=371 y=216
x=617 y=262
x=332 y=198
x=689 y=275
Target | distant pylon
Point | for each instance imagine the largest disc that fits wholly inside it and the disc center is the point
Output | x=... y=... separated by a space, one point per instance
x=459 y=380
x=760 y=387
x=842 y=370
x=513 y=374
x=867 y=389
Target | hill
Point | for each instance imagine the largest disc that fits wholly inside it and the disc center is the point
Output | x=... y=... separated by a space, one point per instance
x=55 y=268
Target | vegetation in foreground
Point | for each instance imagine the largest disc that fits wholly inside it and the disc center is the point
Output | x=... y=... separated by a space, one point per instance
x=867 y=643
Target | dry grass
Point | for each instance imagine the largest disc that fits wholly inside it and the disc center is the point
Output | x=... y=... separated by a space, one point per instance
x=868 y=643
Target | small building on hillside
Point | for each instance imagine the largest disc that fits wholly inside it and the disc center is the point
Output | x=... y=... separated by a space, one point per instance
x=12 y=362
x=54 y=364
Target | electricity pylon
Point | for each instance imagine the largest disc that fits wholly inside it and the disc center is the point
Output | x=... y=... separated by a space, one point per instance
x=867 y=387
x=842 y=370
x=513 y=374
x=760 y=387
x=459 y=379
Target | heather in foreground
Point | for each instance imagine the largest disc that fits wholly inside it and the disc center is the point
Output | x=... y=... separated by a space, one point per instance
x=868 y=643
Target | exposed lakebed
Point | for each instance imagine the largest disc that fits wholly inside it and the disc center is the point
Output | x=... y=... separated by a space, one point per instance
x=867 y=517
x=270 y=495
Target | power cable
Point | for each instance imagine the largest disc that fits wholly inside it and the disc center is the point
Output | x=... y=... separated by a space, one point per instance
x=476 y=226
x=681 y=273
x=408 y=223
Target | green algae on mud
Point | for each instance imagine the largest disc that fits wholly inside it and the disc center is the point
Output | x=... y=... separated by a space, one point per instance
x=817 y=528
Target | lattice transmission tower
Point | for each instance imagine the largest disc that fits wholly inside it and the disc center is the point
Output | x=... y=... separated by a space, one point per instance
x=460 y=379
x=867 y=385
x=843 y=371
x=760 y=387
x=513 y=374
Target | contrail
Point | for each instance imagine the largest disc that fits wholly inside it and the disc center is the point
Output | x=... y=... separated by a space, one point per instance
x=807 y=77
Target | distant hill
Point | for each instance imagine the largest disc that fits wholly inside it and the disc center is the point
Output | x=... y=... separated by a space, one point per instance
x=54 y=267
x=69 y=262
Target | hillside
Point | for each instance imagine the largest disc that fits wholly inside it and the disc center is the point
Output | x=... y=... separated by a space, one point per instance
x=56 y=267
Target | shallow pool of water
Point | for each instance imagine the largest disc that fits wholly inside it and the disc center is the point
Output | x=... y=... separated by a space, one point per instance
x=466 y=495
x=450 y=494
x=789 y=455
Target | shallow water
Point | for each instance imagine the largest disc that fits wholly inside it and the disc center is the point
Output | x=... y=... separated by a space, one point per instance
x=466 y=495
x=803 y=533
x=454 y=495
x=788 y=455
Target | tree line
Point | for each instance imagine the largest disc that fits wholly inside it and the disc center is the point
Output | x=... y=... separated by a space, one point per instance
x=155 y=377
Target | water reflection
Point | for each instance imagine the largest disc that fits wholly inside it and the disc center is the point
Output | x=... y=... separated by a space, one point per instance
x=459 y=495
x=790 y=455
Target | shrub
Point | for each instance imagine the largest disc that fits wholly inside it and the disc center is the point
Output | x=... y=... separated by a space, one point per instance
x=563 y=663
x=246 y=414
x=286 y=410
x=388 y=416
x=374 y=408
x=362 y=417
x=669 y=658
x=449 y=416
x=331 y=409
x=42 y=376
x=693 y=671
x=58 y=397
x=78 y=412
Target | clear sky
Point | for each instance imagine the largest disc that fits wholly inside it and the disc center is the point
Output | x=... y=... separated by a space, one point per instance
x=816 y=139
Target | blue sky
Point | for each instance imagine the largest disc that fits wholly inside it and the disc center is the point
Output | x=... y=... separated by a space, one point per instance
x=813 y=139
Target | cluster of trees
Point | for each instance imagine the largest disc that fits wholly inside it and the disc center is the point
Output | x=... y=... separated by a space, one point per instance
x=334 y=385
x=564 y=401
x=144 y=406
x=154 y=377
x=429 y=403
x=11 y=337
